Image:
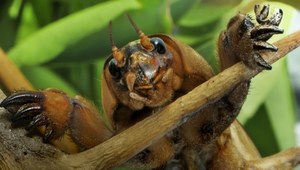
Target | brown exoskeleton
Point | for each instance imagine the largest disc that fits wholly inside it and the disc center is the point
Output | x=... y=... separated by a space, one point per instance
x=146 y=75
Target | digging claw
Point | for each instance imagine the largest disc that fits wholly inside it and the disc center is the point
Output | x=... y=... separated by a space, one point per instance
x=20 y=98
x=37 y=121
x=262 y=45
x=48 y=134
x=27 y=111
x=261 y=14
x=26 y=104
x=261 y=62
x=276 y=18
x=47 y=111
x=265 y=32
x=268 y=26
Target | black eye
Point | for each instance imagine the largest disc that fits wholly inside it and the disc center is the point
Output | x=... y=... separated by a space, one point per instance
x=159 y=45
x=114 y=70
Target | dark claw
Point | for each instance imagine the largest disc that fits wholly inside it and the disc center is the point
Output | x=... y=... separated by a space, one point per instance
x=261 y=62
x=48 y=134
x=276 y=18
x=261 y=45
x=264 y=32
x=20 y=98
x=261 y=15
x=27 y=110
x=37 y=121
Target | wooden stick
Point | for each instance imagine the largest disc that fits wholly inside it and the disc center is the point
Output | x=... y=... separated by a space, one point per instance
x=10 y=75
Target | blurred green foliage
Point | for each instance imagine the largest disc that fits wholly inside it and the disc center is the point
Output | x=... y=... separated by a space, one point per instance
x=63 y=44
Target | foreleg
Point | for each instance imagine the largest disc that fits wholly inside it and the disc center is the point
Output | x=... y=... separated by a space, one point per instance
x=70 y=124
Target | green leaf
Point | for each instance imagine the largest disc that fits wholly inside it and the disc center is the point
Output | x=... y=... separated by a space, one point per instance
x=260 y=87
x=281 y=110
x=207 y=50
x=272 y=124
x=260 y=130
x=97 y=45
x=179 y=8
x=50 y=41
x=8 y=24
x=28 y=25
x=42 y=9
x=204 y=13
x=42 y=78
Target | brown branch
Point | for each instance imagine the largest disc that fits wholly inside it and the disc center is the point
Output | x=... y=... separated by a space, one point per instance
x=11 y=76
x=125 y=145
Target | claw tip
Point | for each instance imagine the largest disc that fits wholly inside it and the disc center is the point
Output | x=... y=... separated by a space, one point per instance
x=265 y=66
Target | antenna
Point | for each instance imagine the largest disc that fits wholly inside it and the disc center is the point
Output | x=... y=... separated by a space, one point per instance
x=145 y=41
x=117 y=54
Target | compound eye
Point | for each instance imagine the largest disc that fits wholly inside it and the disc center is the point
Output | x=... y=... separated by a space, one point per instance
x=159 y=45
x=114 y=70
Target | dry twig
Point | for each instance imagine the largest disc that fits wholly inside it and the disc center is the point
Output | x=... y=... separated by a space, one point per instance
x=11 y=76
